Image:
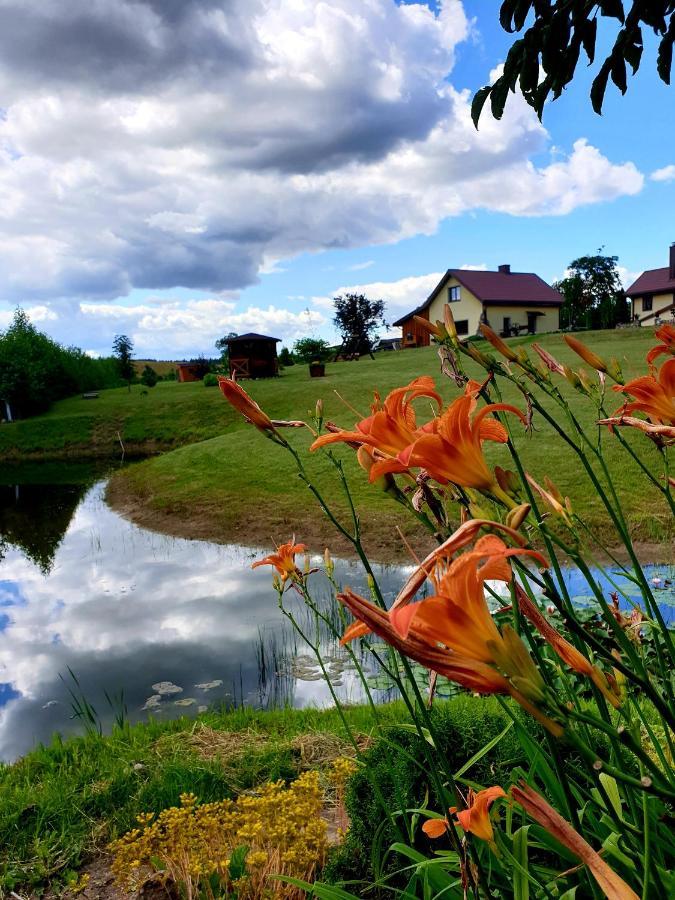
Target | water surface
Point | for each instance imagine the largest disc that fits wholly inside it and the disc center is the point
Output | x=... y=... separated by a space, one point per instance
x=125 y=609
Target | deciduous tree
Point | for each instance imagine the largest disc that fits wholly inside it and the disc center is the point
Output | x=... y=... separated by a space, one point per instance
x=357 y=319
x=543 y=61
x=123 y=349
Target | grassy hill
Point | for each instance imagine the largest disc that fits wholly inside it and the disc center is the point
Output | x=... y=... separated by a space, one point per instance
x=224 y=481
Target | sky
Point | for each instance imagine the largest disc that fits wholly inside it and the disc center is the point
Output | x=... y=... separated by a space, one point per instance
x=179 y=169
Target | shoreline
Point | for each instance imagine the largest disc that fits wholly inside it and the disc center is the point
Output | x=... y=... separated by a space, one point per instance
x=383 y=548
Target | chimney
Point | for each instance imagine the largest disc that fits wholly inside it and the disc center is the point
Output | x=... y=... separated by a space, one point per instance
x=672 y=262
x=506 y=268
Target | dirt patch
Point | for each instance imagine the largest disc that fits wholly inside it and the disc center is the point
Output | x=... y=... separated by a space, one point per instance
x=201 y=521
x=263 y=525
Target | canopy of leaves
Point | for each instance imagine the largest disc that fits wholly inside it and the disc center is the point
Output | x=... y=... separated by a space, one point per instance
x=123 y=349
x=309 y=349
x=593 y=293
x=149 y=377
x=542 y=62
x=35 y=370
x=357 y=319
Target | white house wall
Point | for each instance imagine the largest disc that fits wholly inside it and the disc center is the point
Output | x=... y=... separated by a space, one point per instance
x=467 y=307
x=549 y=320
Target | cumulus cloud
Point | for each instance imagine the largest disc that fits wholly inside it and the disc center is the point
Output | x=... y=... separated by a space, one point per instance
x=667 y=173
x=156 y=143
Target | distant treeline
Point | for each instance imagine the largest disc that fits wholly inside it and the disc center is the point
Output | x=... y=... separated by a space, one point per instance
x=35 y=370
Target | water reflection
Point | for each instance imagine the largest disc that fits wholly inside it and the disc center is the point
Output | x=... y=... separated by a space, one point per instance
x=127 y=609
x=173 y=624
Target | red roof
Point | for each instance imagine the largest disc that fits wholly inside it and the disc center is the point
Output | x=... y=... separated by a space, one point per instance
x=653 y=281
x=497 y=288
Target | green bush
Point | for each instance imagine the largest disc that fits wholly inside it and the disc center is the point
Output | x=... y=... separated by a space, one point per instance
x=395 y=772
x=210 y=380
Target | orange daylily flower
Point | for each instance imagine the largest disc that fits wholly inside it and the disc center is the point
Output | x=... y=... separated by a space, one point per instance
x=475 y=818
x=665 y=333
x=457 y=615
x=284 y=560
x=453 y=632
x=460 y=538
x=593 y=360
x=236 y=396
x=391 y=427
x=542 y=812
x=470 y=673
x=452 y=451
x=654 y=396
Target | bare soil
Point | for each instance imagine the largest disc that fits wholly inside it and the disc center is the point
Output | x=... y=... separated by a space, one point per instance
x=382 y=543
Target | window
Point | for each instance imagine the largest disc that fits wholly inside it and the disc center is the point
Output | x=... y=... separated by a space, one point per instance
x=462 y=326
x=646 y=304
x=454 y=294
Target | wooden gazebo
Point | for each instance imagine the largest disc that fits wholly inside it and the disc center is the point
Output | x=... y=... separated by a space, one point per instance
x=253 y=356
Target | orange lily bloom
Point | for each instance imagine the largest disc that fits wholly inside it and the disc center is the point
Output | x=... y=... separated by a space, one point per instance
x=475 y=818
x=457 y=616
x=654 y=396
x=391 y=427
x=593 y=360
x=470 y=673
x=542 y=812
x=665 y=333
x=284 y=560
x=236 y=396
x=453 y=450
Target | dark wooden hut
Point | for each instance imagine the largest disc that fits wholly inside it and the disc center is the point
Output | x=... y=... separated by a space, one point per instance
x=253 y=356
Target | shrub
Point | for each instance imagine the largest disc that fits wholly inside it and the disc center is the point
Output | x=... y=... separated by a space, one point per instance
x=149 y=377
x=309 y=350
x=231 y=845
x=210 y=380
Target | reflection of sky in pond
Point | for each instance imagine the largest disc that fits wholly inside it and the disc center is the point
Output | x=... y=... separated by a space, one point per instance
x=126 y=609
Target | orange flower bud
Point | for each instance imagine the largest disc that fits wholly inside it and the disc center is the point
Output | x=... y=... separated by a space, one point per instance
x=593 y=360
x=449 y=322
x=517 y=516
x=497 y=342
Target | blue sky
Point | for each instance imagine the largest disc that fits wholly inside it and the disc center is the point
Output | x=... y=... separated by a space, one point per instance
x=239 y=184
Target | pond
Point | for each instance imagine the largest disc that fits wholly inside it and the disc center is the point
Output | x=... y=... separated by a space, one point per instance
x=92 y=606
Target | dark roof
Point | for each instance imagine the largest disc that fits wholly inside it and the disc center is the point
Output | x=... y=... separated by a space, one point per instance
x=653 y=281
x=495 y=288
x=415 y=312
x=252 y=336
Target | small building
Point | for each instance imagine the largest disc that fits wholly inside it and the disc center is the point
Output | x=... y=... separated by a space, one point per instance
x=652 y=296
x=509 y=302
x=189 y=371
x=253 y=356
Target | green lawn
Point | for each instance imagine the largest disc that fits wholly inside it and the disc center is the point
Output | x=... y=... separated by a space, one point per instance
x=60 y=803
x=227 y=482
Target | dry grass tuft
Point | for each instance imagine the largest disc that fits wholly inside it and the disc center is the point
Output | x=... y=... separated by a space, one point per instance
x=222 y=745
x=318 y=749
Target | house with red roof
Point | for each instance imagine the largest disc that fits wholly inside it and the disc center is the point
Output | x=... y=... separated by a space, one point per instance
x=509 y=302
x=653 y=294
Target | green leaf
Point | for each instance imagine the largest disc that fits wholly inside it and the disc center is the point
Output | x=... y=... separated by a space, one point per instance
x=478 y=103
x=481 y=753
x=322 y=891
x=612 y=848
x=612 y=789
x=599 y=87
x=521 y=881
x=238 y=862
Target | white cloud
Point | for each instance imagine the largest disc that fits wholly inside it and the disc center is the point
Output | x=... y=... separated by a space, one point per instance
x=399 y=296
x=151 y=144
x=667 y=173
x=357 y=267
